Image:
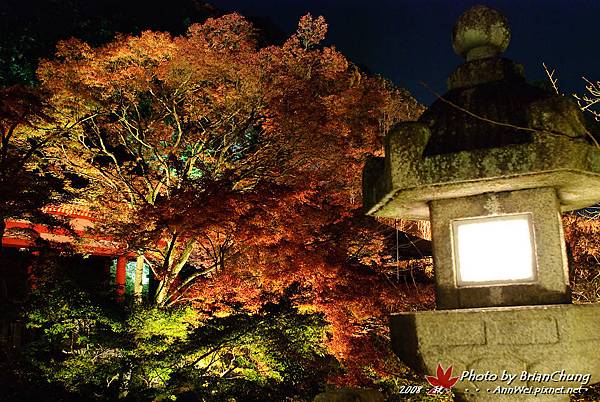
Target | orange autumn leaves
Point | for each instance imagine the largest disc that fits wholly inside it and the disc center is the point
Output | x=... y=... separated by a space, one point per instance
x=235 y=169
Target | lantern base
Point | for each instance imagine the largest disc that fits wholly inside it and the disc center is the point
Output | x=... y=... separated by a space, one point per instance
x=543 y=347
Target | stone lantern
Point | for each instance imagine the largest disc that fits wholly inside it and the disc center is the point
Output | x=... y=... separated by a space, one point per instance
x=492 y=164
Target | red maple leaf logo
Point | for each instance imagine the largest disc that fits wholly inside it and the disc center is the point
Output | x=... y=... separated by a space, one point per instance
x=443 y=378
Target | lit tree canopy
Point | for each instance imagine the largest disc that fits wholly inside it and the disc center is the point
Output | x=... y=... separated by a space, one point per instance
x=194 y=143
x=28 y=180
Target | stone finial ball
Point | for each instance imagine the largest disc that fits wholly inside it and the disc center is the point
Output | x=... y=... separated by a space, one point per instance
x=480 y=32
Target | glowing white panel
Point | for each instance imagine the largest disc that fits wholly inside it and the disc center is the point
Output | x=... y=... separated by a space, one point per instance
x=494 y=250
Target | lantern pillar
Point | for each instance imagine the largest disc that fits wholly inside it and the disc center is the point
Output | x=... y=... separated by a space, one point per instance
x=492 y=165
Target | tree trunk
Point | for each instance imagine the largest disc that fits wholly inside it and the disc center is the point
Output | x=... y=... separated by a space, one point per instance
x=162 y=296
x=163 y=290
x=137 y=284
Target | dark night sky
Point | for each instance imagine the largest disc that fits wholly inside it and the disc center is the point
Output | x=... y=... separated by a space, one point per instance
x=408 y=41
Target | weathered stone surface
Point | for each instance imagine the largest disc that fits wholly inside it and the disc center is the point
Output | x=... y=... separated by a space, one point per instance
x=459 y=332
x=542 y=339
x=570 y=166
x=551 y=284
x=514 y=333
x=493 y=69
x=557 y=115
x=480 y=32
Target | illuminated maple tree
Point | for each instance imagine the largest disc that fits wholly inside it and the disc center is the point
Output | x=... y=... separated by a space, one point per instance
x=28 y=179
x=236 y=170
x=582 y=235
x=182 y=138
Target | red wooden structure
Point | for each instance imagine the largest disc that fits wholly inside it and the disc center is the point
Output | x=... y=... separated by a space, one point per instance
x=25 y=234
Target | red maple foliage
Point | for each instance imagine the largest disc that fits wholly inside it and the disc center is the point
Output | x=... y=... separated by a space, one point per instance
x=582 y=235
x=236 y=170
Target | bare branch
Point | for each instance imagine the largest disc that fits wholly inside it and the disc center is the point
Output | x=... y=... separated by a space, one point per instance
x=553 y=81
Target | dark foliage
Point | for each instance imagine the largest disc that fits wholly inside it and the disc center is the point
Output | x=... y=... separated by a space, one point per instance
x=84 y=346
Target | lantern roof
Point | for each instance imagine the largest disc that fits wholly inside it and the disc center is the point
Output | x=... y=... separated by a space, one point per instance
x=491 y=131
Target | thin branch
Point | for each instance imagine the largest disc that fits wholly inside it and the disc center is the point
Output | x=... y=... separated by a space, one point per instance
x=553 y=81
x=499 y=123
